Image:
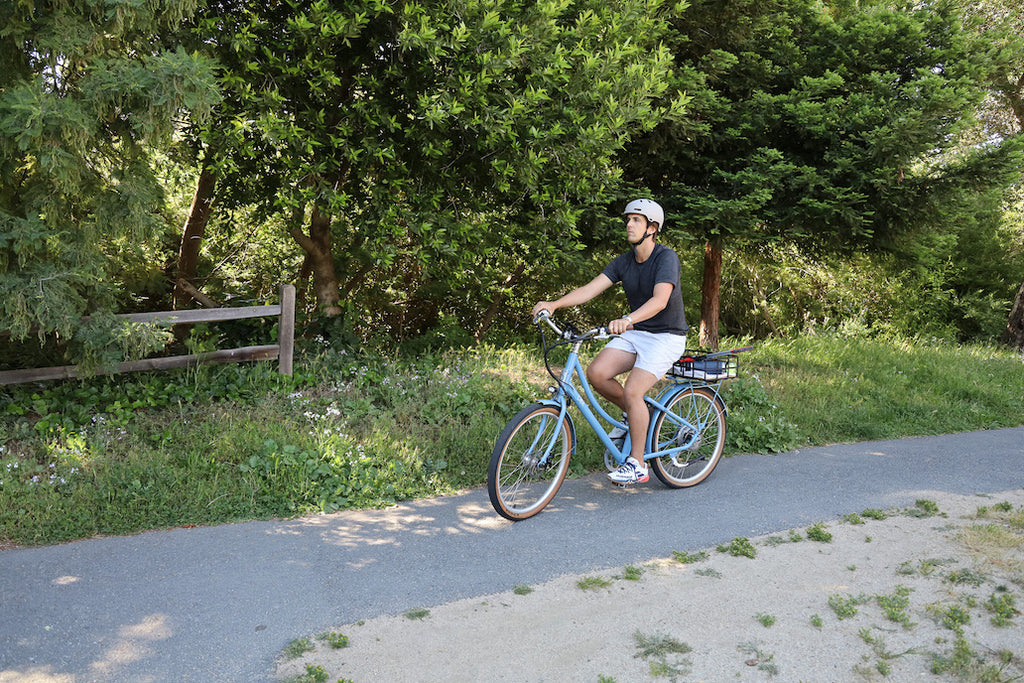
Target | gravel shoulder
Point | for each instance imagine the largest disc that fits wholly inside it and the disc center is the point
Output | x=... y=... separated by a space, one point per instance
x=908 y=597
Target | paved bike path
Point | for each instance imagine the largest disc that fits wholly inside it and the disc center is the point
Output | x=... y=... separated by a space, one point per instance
x=220 y=603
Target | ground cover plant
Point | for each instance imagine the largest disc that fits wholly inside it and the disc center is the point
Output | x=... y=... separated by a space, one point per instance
x=122 y=454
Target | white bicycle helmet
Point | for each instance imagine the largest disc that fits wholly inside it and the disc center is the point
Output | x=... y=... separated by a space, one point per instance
x=649 y=209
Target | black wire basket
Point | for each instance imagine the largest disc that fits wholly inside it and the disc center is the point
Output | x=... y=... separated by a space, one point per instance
x=699 y=366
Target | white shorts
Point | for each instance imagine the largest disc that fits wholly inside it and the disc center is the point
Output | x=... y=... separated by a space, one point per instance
x=655 y=352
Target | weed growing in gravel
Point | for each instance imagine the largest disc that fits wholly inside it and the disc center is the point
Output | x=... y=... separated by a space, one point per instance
x=335 y=640
x=954 y=617
x=522 y=590
x=1003 y=608
x=297 y=647
x=739 y=547
x=966 y=576
x=766 y=620
x=895 y=606
x=818 y=532
x=689 y=558
x=845 y=607
x=880 y=652
x=314 y=674
x=416 y=613
x=592 y=583
x=924 y=567
x=793 y=537
x=632 y=573
x=923 y=508
x=764 y=661
x=664 y=654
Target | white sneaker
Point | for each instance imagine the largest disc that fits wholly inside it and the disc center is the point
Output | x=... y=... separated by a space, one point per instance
x=630 y=472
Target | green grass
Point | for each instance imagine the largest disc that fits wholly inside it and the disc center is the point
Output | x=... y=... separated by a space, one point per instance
x=862 y=389
x=123 y=454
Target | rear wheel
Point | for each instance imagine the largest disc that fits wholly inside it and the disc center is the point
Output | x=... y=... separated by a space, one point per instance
x=704 y=414
x=530 y=461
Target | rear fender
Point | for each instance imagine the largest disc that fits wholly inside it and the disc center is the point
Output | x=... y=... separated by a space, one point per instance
x=671 y=392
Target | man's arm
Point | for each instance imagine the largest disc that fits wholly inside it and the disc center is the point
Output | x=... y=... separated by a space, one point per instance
x=652 y=307
x=580 y=295
x=656 y=304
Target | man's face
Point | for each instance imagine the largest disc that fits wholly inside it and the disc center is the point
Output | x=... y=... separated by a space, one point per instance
x=636 y=226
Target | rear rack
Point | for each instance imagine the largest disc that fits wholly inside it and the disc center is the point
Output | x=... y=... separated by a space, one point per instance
x=706 y=367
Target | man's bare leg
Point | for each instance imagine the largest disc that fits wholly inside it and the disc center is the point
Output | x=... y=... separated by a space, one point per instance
x=602 y=373
x=637 y=385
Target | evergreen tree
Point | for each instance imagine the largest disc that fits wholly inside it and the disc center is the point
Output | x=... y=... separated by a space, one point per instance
x=85 y=87
x=822 y=126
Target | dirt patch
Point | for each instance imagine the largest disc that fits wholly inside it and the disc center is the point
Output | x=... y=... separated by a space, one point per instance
x=896 y=599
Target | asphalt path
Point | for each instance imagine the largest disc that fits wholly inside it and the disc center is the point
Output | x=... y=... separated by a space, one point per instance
x=220 y=603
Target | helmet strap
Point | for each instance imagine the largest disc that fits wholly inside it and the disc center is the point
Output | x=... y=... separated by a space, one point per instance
x=646 y=235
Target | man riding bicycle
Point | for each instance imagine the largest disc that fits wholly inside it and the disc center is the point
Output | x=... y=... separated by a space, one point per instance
x=651 y=337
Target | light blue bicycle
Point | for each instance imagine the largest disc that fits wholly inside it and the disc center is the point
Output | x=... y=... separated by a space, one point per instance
x=685 y=438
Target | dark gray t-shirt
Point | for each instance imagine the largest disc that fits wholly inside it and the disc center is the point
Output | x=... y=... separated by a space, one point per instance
x=638 y=280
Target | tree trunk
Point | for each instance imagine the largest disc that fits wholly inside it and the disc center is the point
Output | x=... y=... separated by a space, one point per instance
x=709 y=294
x=192 y=235
x=1014 y=335
x=499 y=299
x=320 y=259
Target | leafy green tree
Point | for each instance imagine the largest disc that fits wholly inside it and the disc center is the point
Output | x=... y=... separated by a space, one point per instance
x=85 y=87
x=1001 y=23
x=420 y=150
x=820 y=126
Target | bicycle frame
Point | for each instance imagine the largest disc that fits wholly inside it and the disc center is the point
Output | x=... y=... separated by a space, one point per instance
x=567 y=393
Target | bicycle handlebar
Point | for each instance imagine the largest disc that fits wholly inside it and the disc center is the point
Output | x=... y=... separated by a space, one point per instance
x=571 y=335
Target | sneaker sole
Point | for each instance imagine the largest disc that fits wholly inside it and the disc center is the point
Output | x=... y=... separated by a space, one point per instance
x=630 y=483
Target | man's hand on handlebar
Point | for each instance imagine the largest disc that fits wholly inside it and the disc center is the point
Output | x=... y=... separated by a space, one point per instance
x=619 y=325
x=541 y=307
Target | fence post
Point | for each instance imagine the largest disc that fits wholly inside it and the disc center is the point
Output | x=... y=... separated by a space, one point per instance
x=286 y=330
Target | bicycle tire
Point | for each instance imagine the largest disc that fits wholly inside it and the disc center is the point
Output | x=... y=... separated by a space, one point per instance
x=518 y=487
x=699 y=406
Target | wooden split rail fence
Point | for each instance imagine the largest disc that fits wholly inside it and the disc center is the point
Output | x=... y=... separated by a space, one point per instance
x=283 y=350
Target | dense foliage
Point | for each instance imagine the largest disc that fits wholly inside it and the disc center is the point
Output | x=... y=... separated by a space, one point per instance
x=832 y=131
x=429 y=169
x=418 y=151
x=86 y=93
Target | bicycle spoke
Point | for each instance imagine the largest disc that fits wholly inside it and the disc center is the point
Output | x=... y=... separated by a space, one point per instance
x=529 y=462
x=695 y=422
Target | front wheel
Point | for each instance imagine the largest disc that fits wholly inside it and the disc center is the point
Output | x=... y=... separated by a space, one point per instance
x=703 y=430
x=530 y=461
